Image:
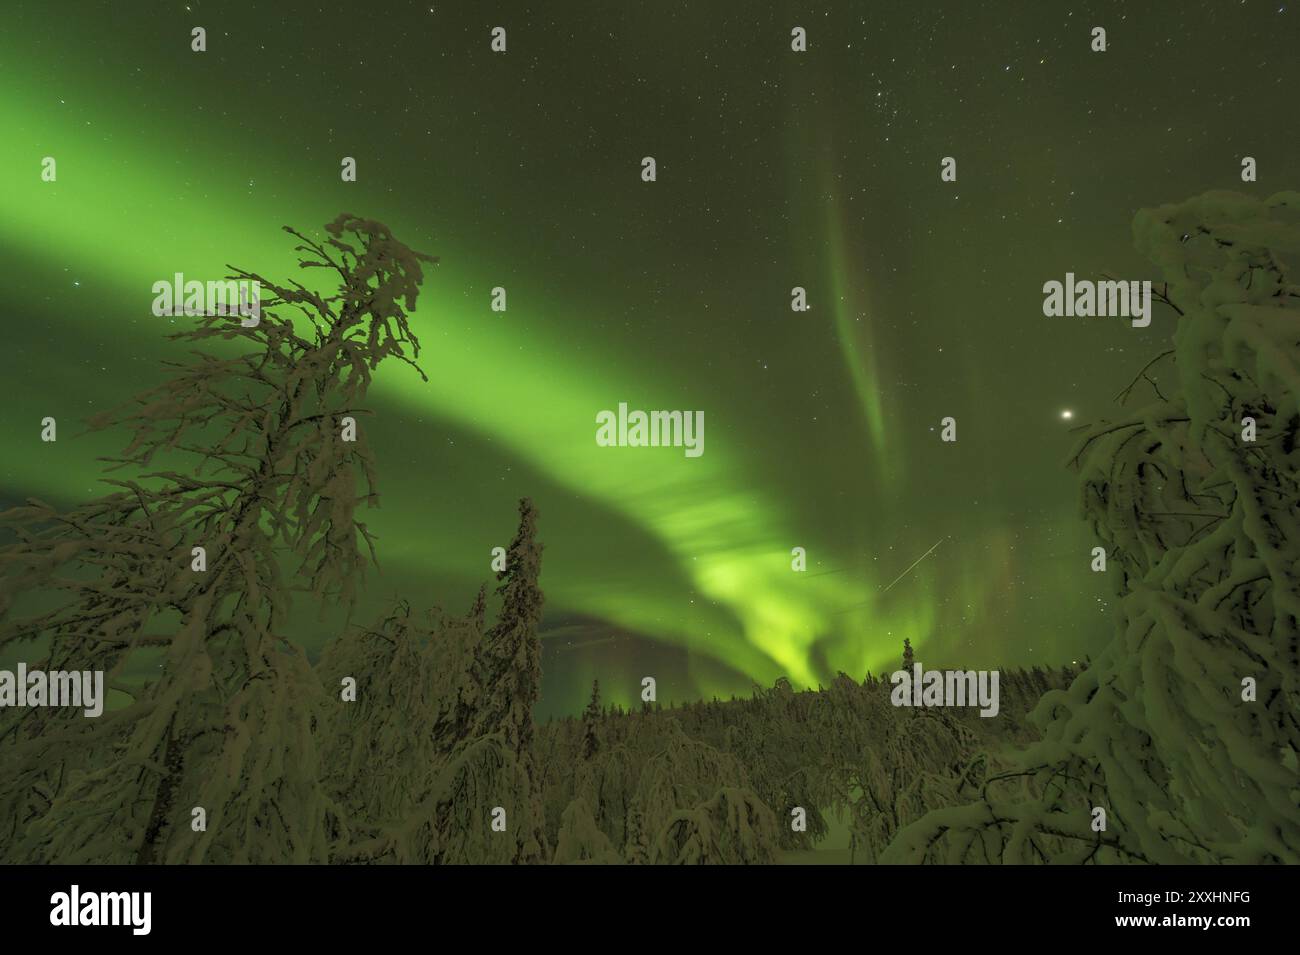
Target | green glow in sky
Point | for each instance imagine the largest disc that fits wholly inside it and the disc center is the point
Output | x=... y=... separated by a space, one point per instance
x=521 y=171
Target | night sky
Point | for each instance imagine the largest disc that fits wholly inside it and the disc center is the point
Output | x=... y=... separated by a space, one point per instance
x=775 y=169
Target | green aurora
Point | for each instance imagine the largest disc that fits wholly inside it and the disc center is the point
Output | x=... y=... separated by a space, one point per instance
x=774 y=170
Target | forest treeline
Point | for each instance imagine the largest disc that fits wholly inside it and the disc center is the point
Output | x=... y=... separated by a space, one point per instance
x=742 y=780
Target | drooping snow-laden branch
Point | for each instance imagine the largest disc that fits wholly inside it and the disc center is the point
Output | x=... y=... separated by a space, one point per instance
x=1196 y=500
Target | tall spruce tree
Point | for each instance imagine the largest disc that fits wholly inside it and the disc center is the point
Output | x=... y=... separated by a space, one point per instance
x=508 y=673
x=508 y=663
x=590 y=720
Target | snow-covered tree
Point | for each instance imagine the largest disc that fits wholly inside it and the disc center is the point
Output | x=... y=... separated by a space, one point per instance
x=508 y=668
x=580 y=839
x=731 y=827
x=382 y=753
x=508 y=663
x=240 y=453
x=1201 y=526
x=590 y=722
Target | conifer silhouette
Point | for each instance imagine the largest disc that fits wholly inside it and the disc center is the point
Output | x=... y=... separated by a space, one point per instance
x=590 y=720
